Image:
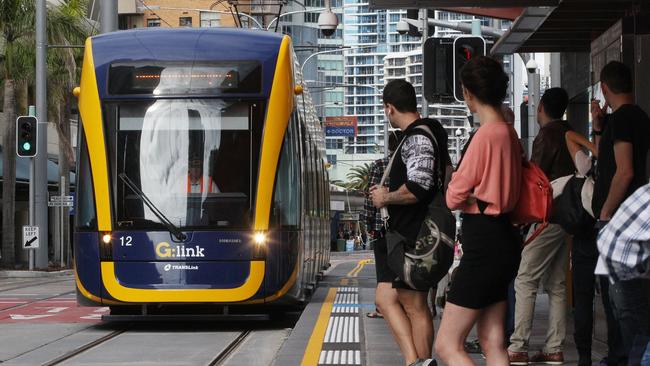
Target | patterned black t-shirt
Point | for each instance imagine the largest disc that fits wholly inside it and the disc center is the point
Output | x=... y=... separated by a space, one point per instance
x=415 y=167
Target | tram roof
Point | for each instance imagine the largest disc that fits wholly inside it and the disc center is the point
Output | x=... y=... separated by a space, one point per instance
x=186 y=44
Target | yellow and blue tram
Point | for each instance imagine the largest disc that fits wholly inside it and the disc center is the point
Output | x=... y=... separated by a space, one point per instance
x=201 y=174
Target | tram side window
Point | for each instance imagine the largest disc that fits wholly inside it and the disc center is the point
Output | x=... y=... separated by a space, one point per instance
x=86 y=215
x=319 y=184
x=287 y=183
x=305 y=169
x=312 y=176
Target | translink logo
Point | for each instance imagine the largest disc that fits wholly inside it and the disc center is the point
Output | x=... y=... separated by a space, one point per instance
x=165 y=250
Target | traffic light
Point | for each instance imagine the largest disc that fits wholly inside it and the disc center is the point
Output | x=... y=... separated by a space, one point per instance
x=465 y=48
x=413 y=14
x=26 y=131
x=438 y=70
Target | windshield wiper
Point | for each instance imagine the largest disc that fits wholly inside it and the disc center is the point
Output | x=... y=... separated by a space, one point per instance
x=173 y=229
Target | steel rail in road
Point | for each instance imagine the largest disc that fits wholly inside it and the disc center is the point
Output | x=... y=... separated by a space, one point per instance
x=85 y=348
x=230 y=348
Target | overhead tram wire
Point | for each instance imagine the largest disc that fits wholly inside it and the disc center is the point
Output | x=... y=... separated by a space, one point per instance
x=154 y=13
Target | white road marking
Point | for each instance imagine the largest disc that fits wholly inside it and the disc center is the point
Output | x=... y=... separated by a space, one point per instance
x=28 y=317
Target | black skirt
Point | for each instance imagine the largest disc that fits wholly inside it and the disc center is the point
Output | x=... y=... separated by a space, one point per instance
x=490 y=261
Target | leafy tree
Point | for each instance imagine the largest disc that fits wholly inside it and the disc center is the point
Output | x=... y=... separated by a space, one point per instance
x=66 y=25
x=358 y=177
x=16 y=67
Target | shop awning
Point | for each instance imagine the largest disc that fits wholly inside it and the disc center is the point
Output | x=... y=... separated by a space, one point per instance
x=568 y=27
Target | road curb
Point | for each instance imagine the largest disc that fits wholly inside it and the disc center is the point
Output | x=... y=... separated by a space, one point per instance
x=35 y=274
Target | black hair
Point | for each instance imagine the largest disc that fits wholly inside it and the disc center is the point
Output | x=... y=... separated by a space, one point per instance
x=401 y=95
x=618 y=77
x=555 y=101
x=484 y=77
x=394 y=137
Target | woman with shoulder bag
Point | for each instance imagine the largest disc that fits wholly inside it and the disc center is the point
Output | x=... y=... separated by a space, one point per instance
x=485 y=188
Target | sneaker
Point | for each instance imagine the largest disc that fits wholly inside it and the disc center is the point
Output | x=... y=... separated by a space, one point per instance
x=473 y=346
x=556 y=358
x=518 y=358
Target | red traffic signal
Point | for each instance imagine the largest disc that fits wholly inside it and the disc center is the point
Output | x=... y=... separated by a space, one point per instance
x=465 y=49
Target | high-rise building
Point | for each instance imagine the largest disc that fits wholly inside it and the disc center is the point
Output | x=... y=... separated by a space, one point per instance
x=370 y=36
x=325 y=70
x=408 y=66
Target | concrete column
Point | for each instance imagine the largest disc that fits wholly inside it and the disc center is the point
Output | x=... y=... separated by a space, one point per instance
x=556 y=70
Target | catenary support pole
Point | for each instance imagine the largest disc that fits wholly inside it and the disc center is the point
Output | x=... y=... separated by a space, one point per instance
x=40 y=160
x=108 y=18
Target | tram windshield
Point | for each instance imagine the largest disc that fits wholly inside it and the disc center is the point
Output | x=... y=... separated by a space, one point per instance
x=193 y=159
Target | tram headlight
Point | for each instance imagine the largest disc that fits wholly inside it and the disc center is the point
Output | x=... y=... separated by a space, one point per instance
x=259 y=249
x=106 y=238
x=260 y=238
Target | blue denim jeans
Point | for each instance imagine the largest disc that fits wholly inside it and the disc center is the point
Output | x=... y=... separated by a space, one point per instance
x=631 y=307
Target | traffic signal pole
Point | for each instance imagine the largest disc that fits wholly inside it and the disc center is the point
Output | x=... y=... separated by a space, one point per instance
x=108 y=20
x=424 y=17
x=39 y=209
x=30 y=253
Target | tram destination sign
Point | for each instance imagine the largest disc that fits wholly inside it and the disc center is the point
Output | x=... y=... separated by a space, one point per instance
x=341 y=126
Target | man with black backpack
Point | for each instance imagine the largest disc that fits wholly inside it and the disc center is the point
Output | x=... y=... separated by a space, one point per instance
x=413 y=183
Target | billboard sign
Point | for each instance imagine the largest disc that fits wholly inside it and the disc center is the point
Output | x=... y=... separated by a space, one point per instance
x=341 y=126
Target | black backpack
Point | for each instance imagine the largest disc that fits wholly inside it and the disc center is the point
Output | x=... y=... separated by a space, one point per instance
x=423 y=265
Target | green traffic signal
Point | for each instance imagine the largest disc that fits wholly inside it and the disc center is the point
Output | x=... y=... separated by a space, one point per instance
x=26 y=131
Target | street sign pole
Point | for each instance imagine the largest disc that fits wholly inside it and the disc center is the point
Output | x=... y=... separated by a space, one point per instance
x=61 y=209
x=424 y=16
x=32 y=112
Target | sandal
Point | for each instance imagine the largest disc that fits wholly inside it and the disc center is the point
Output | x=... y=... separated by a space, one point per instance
x=375 y=315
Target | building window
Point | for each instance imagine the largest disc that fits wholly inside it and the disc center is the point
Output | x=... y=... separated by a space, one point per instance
x=153 y=22
x=185 y=21
x=311 y=17
x=315 y=3
x=209 y=19
x=286 y=29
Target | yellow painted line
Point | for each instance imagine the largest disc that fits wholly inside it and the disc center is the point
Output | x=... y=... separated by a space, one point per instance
x=315 y=345
x=355 y=271
x=351 y=273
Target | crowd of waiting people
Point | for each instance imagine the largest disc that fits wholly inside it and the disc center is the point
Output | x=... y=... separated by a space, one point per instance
x=495 y=286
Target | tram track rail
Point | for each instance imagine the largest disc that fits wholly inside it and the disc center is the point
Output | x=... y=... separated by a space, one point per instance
x=230 y=349
x=69 y=355
x=18 y=306
x=33 y=284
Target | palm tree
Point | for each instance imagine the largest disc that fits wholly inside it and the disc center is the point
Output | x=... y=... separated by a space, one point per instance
x=66 y=26
x=358 y=177
x=16 y=66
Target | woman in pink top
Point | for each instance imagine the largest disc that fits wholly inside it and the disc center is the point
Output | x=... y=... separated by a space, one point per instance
x=485 y=188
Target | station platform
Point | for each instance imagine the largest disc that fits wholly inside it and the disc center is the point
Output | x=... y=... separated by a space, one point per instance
x=334 y=328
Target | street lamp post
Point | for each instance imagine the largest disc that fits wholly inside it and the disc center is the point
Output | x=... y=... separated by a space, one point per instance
x=277 y=19
x=379 y=91
x=342 y=49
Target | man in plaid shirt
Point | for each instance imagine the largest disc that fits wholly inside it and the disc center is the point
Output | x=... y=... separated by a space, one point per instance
x=385 y=295
x=624 y=247
x=624 y=243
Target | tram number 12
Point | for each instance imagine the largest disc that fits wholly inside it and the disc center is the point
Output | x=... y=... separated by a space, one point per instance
x=125 y=241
